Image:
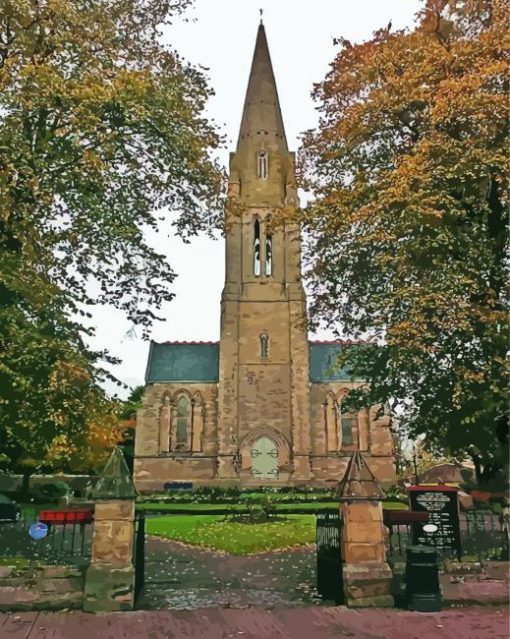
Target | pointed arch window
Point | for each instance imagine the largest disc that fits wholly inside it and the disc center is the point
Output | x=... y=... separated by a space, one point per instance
x=262 y=165
x=269 y=254
x=256 y=248
x=348 y=425
x=264 y=344
x=183 y=422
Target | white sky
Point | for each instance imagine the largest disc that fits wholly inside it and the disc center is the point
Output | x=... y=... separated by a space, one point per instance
x=220 y=35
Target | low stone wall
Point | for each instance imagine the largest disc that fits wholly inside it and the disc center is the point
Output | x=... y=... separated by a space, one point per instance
x=12 y=483
x=41 y=587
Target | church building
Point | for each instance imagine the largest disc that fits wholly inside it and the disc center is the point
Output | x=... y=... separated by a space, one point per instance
x=263 y=406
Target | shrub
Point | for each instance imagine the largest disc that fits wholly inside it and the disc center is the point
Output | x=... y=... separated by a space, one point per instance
x=268 y=507
x=394 y=493
x=208 y=493
x=234 y=494
x=52 y=491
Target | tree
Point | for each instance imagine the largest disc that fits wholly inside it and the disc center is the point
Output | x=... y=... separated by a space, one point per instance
x=127 y=417
x=409 y=224
x=131 y=406
x=90 y=452
x=100 y=127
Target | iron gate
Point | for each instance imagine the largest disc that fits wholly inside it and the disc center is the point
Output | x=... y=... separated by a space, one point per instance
x=329 y=558
x=139 y=552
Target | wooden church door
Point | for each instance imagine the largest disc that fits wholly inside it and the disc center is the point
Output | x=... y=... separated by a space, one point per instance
x=264 y=459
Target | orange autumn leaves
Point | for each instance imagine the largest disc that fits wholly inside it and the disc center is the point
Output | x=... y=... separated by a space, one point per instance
x=103 y=135
x=409 y=172
x=91 y=449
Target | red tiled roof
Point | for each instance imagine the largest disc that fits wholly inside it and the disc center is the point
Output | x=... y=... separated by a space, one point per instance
x=338 y=341
x=312 y=341
x=179 y=342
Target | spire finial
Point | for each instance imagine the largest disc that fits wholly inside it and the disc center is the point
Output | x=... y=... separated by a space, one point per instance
x=261 y=11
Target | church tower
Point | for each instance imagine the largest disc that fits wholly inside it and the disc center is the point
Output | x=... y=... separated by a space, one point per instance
x=263 y=405
x=263 y=396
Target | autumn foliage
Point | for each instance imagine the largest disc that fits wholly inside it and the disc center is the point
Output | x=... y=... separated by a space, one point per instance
x=101 y=128
x=409 y=172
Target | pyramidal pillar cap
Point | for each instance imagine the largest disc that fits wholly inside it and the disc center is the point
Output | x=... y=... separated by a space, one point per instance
x=359 y=483
x=115 y=481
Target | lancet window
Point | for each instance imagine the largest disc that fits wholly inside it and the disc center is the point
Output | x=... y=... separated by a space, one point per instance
x=348 y=424
x=341 y=427
x=262 y=165
x=183 y=422
x=264 y=345
x=256 y=248
x=269 y=254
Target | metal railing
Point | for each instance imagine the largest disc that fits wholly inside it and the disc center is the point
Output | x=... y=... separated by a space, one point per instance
x=329 y=558
x=481 y=534
x=64 y=543
x=139 y=553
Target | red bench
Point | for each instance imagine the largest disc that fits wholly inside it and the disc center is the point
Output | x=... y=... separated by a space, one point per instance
x=65 y=516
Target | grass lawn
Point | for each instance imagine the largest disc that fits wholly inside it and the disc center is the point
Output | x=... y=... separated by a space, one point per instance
x=281 y=508
x=211 y=531
x=17 y=562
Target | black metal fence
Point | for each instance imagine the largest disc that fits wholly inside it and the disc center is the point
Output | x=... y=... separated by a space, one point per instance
x=329 y=558
x=481 y=534
x=64 y=543
x=139 y=553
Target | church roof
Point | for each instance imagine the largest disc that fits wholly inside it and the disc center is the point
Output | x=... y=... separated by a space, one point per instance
x=199 y=362
x=183 y=362
x=323 y=358
x=262 y=113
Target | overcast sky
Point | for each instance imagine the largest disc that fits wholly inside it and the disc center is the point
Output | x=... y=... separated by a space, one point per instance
x=220 y=35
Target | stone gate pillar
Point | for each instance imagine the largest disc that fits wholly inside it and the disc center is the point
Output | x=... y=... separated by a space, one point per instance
x=109 y=580
x=366 y=575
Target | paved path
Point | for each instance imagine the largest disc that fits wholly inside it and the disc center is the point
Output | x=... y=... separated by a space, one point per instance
x=184 y=577
x=181 y=576
x=256 y=623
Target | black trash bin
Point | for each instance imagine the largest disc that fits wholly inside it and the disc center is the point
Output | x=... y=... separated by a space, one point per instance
x=423 y=592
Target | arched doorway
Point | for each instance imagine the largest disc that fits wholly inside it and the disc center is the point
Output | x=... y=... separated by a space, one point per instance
x=264 y=458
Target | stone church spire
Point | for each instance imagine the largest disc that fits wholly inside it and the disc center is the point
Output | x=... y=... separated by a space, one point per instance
x=262 y=167
x=262 y=118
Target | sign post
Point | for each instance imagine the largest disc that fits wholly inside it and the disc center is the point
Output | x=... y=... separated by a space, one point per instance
x=442 y=505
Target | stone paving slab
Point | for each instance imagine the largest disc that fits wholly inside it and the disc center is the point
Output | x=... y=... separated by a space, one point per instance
x=257 y=623
x=17 y=625
x=485 y=591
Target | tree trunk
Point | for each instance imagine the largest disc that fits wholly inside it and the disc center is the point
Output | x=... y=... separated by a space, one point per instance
x=25 y=483
x=478 y=468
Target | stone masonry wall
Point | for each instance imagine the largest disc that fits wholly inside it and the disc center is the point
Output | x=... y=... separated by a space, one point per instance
x=152 y=469
x=151 y=474
x=147 y=424
x=38 y=587
x=374 y=438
